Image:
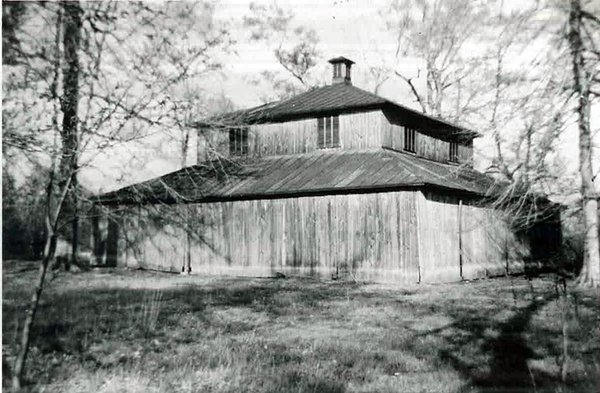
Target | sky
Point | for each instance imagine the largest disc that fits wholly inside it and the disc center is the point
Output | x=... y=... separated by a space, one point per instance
x=354 y=29
x=350 y=28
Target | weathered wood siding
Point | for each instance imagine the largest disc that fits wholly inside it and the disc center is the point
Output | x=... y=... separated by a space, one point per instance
x=405 y=236
x=384 y=237
x=109 y=232
x=292 y=137
x=370 y=237
x=357 y=131
x=438 y=239
x=486 y=237
x=153 y=238
x=362 y=130
x=462 y=240
x=483 y=243
x=426 y=146
x=432 y=148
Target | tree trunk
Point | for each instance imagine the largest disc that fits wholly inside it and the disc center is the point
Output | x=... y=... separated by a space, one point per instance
x=74 y=224
x=590 y=274
x=67 y=173
x=564 y=371
x=52 y=217
x=69 y=105
x=49 y=250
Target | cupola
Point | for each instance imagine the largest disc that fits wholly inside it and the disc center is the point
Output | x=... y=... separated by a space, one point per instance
x=341 y=70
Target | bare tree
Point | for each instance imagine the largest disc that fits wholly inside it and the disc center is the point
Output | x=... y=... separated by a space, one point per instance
x=80 y=79
x=443 y=34
x=294 y=48
x=70 y=25
x=582 y=35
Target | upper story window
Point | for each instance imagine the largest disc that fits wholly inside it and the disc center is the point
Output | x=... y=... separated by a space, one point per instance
x=410 y=140
x=328 y=132
x=453 y=152
x=238 y=141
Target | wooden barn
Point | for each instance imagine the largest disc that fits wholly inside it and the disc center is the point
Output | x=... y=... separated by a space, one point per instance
x=334 y=182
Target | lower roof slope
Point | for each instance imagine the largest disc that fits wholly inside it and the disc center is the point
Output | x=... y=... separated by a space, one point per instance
x=317 y=173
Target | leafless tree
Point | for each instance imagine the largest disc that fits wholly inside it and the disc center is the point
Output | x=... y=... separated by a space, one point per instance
x=582 y=37
x=294 y=48
x=79 y=80
x=443 y=34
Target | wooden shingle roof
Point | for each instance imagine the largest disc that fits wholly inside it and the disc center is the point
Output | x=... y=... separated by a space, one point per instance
x=317 y=173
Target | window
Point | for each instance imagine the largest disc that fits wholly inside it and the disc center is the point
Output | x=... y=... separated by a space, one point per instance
x=410 y=140
x=328 y=132
x=238 y=141
x=454 y=151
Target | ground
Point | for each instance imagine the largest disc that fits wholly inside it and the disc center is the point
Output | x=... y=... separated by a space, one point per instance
x=134 y=331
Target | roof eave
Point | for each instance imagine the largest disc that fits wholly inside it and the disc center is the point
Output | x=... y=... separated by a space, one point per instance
x=264 y=195
x=441 y=122
x=251 y=119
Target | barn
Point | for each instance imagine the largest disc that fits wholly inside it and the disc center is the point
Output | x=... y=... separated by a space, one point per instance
x=333 y=182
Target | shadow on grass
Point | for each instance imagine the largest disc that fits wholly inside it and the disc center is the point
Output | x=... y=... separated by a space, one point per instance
x=210 y=326
x=501 y=362
x=510 y=351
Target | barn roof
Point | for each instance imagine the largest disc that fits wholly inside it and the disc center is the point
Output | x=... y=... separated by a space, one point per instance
x=317 y=173
x=333 y=99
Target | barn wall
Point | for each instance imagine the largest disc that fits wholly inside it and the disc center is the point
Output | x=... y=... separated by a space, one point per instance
x=432 y=148
x=461 y=239
x=426 y=146
x=110 y=227
x=489 y=245
x=292 y=137
x=357 y=131
x=438 y=239
x=384 y=237
x=139 y=237
x=160 y=241
x=369 y=237
x=362 y=130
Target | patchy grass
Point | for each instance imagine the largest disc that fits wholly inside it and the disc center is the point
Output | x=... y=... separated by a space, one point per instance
x=124 y=331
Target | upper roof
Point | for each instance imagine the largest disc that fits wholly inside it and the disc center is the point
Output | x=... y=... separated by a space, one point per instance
x=341 y=59
x=317 y=173
x=333 y=99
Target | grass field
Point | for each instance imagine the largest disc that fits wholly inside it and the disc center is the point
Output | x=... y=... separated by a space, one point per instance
x=125 y=331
